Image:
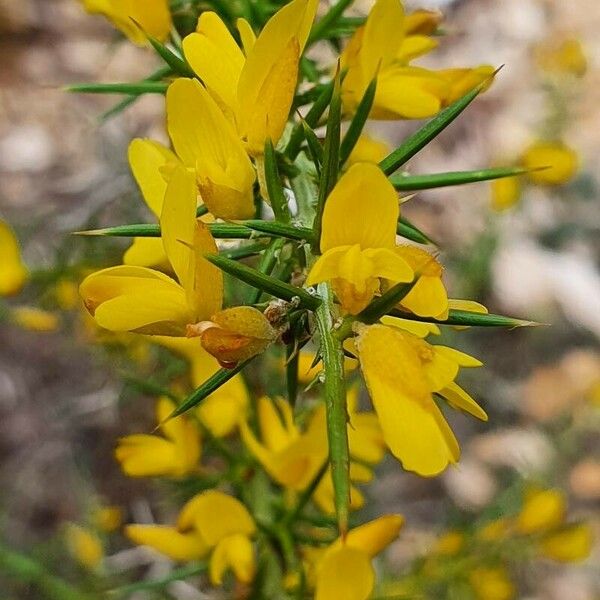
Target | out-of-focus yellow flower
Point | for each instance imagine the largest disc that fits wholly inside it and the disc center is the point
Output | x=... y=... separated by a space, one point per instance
x=368 y=149
x=153 y=16
x=108 y=518
x=562 y=163
x=428 y=297
x=542 y=510
x=13 y=274
x=384 y=47
x=449 y=543
x=506 y=192
x=210 y=523
x=569 y=544
x=220 y=412
x=402 y=372
x=65 y=292
x=34 y=319
x=175 y=455
x=492 y=583
x=254 y=88
x=84 y=546
x=566 y=56
x=358 y=238
x=142 y=300
x=495 y=530
x=344 y=570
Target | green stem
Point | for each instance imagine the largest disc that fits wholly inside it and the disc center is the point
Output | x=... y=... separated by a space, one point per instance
x=335 y=401
x=177 y=575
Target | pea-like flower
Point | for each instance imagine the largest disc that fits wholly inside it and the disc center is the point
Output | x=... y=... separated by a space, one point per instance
x=358 y=238
x=211 y=523
x=254 y=87
x=153 y=16
x=142 y=300
x=14 y=274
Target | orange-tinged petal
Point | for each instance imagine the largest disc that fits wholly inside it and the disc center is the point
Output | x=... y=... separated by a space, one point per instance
x=413 y=427
x=459 y=399
x=14 y=273
x=169 y=541
x=236 y=553
x=216 y=58
x=362 y=209
x=345 y=572
x=215 y=516
x=147 y=160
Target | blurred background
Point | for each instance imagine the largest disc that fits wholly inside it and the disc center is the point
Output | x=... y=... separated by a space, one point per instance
x=64 y=401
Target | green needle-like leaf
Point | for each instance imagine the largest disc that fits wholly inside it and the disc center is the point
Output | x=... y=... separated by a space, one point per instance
x=275 y=189
x=358 y=122
x=268 y=284
x=131 y=89
x=409 y=231
x=211 y=385
x=409 y=183
x=219 y=230
x=469 y=319
x=314 y=146
x=177 y=64
x=331 y=159
x=423 y=136
x=328 y=21
x=272 y=228
x=267 y=263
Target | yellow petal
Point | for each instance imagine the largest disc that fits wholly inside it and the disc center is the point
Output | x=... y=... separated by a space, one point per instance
x=422 y=22
x=571 y=544
x=413 y=427
x=492 y=583
x=169 y=541
x=14 y=273
x=143 y=455
x=216 y=58
x=147 y=158
x=368 y=149
x=562 y=161
x=421 y=330
x=460 y=358
x=236 y=553
x=207 y=143
x=108 y=518
x=467 y=305
x=362 y=209
x=215 y=516
x=427 y=298
x=542 y=510
x=365 y=438
x=345 y=572
x=84 y=545
x=414 y=46
x=182 y=432
x=373 y=537
x=146 y=252
x=459 y=399
x=462 y=81
x=506 y=192
x=246 y=35
x=273 y=431
x=34 y=319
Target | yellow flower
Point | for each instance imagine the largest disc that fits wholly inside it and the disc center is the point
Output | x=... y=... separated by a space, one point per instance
x=34 y=319
x=254 y=87
x=308 y=370
x=344 y=569
x=368 y=149
x=358 y=238
x=14 y=273
x=542 y=510
x=450 y=543
x=220 y=412
x=569 y=544
x=65 y=292
x=506 y=192
x=142 y=300
x=153 y=16
x=175 y=455
x=210 y=523
x=562 y=161
x=566 y=56
x=402 y=372
x=84 y=546
x=383 y=47
x=107 y=518
x=491 y=583
x=428 y=297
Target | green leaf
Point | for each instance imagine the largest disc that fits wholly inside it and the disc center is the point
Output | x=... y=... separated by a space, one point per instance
x=177 y=64
x=212 y=384
x=468 y=319
x=272 y=228
x=268 y=284
x=180 y=574
x=277 y=197
x=132 y=89
x=425 y=182
x=331 y=159
x=219 y=230
x=244 y=251
x=335 y=403
x=428 y=132
x=409 y=231
x=358 y=122
x=328 y=21
x=312 y=119
x=314 y=146
x=267 y=263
